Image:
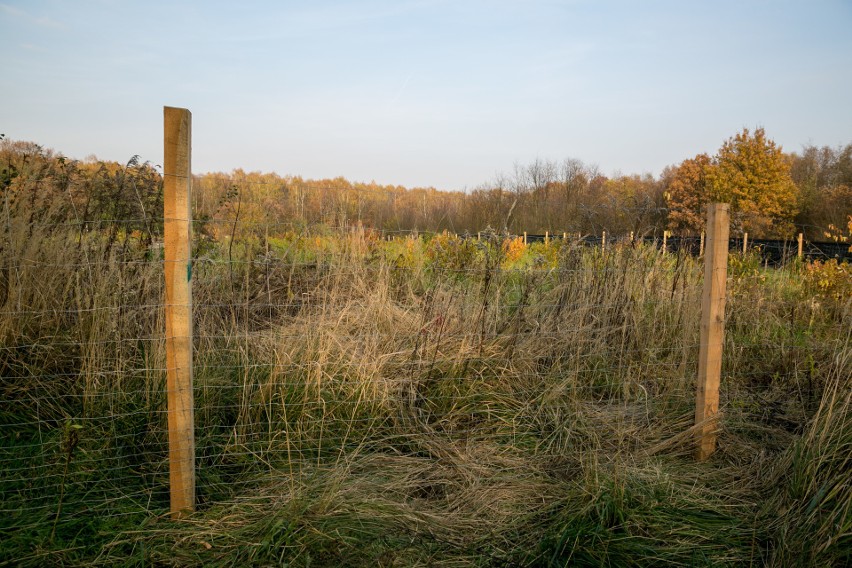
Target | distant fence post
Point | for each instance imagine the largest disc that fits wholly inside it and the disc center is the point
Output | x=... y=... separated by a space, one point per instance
x=525 y=238
x=701 y=245
x=177 y=183
x=546 y=238
x=603 y=242
x=801 y=246
x=745 y=242
x=712 y=328
x=665 y=241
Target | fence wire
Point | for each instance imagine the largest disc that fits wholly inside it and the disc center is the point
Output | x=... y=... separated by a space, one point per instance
x=317 y=347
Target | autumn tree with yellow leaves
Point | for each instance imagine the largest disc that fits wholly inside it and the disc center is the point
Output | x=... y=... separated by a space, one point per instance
x=751 y=173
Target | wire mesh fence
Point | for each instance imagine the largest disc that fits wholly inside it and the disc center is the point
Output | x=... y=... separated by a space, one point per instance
x=332 y=349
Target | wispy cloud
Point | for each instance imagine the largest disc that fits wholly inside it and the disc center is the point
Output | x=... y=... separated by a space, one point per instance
x=40 y=21
x=402 y=88
x=317 y=18
x=12 y=10
x=32 y=47
x=49 y=23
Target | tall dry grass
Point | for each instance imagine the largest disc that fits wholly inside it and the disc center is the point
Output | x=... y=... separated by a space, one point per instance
x=372 y=406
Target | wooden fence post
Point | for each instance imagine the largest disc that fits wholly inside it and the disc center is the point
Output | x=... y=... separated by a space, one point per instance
x=801 y=245
x=177 y=183
x=712 y=328
x=546 y=238
x=665 y=241
x=701 y=246
x=603 y=242
x=745 y=242
x=525 y=238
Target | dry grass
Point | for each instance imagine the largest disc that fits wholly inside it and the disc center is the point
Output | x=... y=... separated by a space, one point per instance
x=366 y=408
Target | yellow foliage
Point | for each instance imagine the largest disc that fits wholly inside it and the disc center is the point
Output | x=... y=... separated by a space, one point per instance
x=451 y=251
x=514 y=249
x=752 y=174
x=829 y=279
x=835 y=233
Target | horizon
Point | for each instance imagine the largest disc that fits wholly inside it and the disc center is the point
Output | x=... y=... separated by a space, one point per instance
x=425 y=93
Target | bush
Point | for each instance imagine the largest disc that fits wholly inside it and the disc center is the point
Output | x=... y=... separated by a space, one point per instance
x=829 y=280
x=451 y=252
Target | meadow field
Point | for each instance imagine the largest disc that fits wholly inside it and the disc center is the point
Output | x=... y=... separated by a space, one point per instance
x=428 y=401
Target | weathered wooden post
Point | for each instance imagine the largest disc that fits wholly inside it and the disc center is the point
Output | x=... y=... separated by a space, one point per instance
x=546 y=238
x=701 y=246
x=177 y=186
x=801 y=246
x=712 y=329
x=603 y=242
x=745 y=242
x=665 y=241
x=525 y=238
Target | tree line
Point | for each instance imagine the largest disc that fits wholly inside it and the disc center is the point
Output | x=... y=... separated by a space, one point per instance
x=773 y=194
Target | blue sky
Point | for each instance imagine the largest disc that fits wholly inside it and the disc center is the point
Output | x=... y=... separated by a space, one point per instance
x=427 y=92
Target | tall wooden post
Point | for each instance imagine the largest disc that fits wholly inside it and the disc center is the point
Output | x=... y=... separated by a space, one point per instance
x=701 y=246
x=603 y=242
x=546 y=238
x=177 y=183
x=525 y=238
x=665 y=240
x=745 y=242
x=564 y=236
x=712 y=328
x=801 y=245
